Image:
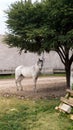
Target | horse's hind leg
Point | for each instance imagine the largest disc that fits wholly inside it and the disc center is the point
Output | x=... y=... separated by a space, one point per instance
x=35 y=80
x=18 y=82
x=21 y=84
x=20 y=79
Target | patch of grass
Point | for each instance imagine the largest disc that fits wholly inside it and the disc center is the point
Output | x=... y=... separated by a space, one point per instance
x=7 y=76
x=16 y=114
x=56 y=75
x=41 y=75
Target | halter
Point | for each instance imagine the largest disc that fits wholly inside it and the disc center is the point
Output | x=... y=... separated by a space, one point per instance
x=40 y=61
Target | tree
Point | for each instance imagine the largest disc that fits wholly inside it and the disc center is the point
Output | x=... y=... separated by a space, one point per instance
x=24 y=23
x=43 y=26
x=61 y=24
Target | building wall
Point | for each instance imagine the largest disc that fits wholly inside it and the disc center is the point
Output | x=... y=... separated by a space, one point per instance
x=10 y=58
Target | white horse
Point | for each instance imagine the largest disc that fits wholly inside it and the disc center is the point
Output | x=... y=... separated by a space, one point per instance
x=22 y=72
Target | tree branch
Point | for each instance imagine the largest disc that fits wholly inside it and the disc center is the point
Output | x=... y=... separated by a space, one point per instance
x=63 y=61
x=71 y=59
x=63 y=50
x=61 y=53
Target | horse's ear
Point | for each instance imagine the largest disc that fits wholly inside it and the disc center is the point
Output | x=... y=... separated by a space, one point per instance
x=38 y=61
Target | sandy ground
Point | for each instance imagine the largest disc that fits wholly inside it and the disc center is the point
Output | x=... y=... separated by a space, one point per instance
x=46 y=87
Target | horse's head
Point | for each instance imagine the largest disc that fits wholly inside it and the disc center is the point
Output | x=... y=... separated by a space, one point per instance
x=40 y=63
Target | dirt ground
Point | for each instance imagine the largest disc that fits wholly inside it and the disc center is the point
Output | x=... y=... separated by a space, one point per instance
x=47 y=87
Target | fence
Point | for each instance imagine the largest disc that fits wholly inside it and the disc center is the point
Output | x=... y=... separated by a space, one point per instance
x=10 y=71
x=44 y=71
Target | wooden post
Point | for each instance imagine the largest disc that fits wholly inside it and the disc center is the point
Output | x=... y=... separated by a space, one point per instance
x=66 y=102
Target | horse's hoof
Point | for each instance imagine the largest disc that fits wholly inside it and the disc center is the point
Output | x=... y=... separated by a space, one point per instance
x=21 y=89
x=35 y=91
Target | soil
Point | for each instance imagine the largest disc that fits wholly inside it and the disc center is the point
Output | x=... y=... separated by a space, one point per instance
x=47 y=87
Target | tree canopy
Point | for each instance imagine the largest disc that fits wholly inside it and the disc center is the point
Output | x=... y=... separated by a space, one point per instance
x=43 y=26
x=26 y=26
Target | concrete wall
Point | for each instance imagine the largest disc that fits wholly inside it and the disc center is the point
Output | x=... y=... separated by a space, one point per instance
x=10 y=58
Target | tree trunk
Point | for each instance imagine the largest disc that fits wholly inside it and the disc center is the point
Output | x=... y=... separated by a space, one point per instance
x=67 y=69
x=63 y=52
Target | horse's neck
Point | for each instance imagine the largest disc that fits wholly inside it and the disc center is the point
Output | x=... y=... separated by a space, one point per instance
x=36 y=67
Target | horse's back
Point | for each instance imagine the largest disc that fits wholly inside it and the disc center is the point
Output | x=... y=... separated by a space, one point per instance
x=27 y=71
x=19 y=67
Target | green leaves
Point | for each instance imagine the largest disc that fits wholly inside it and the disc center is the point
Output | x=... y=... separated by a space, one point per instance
x=46 y=25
